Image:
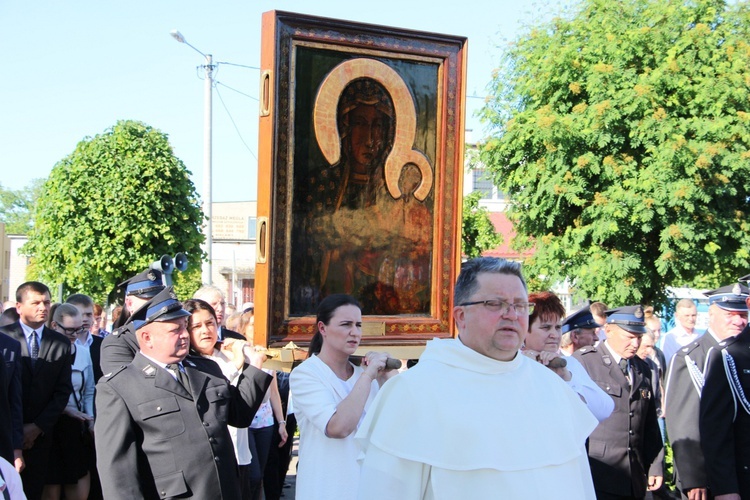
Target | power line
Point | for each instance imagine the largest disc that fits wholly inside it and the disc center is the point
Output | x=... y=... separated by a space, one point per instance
x=221 y=99
x=239 y=92
x=240 y=65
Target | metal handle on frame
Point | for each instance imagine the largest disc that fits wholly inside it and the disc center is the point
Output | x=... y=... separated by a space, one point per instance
x=265 y=93
x=262 y=241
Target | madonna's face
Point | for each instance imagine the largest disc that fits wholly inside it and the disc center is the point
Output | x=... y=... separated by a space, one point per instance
x=367 y=134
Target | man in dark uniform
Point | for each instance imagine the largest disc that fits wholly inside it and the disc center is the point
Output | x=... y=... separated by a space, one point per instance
x=623 y=447
x=162 y=420
x=727 y=318
x=725 y=417
x=578 y=331
x=120 y=348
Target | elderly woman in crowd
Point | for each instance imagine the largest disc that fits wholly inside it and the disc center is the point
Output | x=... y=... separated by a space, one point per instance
x=231 y=357
x=331 y=396
x=543 y=344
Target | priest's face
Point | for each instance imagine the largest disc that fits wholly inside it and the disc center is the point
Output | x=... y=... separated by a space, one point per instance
x=495 y=333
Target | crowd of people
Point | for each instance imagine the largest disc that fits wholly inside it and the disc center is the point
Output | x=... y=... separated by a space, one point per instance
x=71 y=431
x=525 y=403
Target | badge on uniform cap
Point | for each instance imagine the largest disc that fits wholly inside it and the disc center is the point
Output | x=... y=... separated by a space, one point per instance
x=638 y=313
x=736 y=289
x=151 y=276
x=172 y=295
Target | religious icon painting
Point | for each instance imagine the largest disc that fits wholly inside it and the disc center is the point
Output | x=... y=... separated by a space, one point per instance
x=360 y=170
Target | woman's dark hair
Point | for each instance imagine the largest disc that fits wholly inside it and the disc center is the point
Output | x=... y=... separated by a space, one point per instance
x=546 y=306
x=193 y=305
x=326 y=310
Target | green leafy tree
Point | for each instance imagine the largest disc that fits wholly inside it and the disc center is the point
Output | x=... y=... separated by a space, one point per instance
x=113 y=206
x=620 y=133
x=478 y=233
x=17 y=206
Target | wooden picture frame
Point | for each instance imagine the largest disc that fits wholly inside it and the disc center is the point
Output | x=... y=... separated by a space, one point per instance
x=360 y=177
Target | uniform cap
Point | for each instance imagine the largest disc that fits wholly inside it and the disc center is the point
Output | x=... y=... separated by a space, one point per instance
x=730 y=297
x=629 y=318
x=580 y=319
x=144 y=285
x=163 y=307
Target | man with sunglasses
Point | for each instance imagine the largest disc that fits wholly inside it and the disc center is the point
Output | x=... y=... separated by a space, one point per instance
x=93 y=343
x=475 y=418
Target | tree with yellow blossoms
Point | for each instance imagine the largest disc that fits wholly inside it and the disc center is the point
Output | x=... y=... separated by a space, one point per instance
x=621 y=134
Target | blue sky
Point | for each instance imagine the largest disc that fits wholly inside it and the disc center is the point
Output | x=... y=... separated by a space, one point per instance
x=72 y=69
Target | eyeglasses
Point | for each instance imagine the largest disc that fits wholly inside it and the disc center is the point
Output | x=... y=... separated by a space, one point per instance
x=503 y=307
x=71 y=331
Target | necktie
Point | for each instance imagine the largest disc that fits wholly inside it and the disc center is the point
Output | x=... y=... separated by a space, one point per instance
x=34 y=347
x=182 y=377
x=624 y=368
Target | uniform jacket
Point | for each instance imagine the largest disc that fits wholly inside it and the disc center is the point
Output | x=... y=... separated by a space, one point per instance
x=13 y=420
x=156 y=440
x=622 y=448
x=725 y=417
x=684 y=386
x=118 y=349
x=95 y=349
x=231 y=334
x=46 y=386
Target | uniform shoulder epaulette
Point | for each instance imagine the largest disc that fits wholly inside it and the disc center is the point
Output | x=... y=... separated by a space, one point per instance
x=123 y=329
x=587 y=349
x=727 y=342
x=109 y=376
x=687 y=349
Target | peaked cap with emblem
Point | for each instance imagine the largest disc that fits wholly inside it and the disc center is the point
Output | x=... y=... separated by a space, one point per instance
x=730 y=297
x=163 y=307
x=144 y=285
x=629 y=318
x=580 y=319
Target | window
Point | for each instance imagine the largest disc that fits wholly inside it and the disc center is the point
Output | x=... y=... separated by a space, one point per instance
x=251 y=227
x=482 y=182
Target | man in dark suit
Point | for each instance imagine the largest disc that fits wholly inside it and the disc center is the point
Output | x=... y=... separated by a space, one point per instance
x=11 y=403
x=727 y=317
x=162 y=420
x=11 y=420
x=622 y=448
x=46 y=380
x=215 y=298
x=119 y=348
x=725 y=417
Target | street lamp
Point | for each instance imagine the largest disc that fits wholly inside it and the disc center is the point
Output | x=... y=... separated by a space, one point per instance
x=207 y=139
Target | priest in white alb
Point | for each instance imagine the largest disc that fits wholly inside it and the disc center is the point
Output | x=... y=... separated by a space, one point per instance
x=475 y=418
